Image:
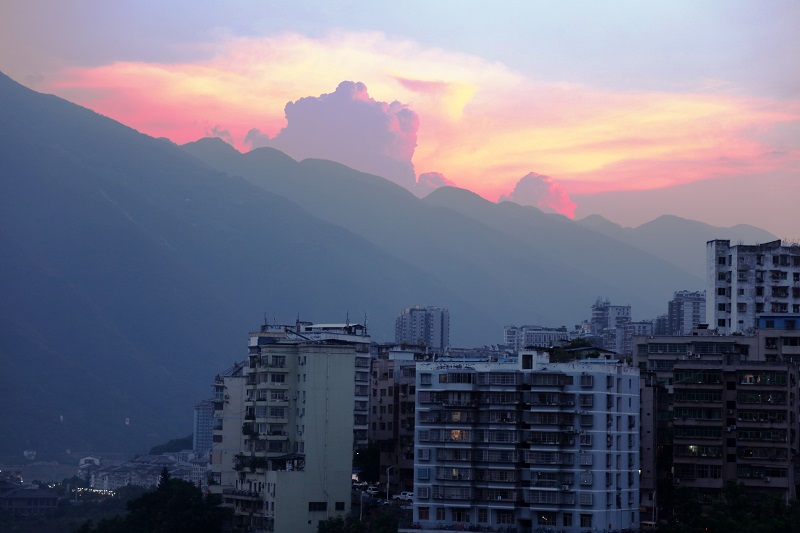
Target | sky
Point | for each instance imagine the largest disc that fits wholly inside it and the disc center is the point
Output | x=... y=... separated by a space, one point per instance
x=626 y=109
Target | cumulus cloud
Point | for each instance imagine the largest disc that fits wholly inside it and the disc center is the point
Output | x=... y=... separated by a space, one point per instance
x=542 y=192
x=349 y=127
x=430 y=181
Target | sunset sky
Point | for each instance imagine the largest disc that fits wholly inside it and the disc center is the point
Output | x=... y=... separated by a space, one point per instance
x=630 y=110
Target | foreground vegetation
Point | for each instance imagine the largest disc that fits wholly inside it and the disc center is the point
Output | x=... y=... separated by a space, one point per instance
x=736 y=511
x=176 y=506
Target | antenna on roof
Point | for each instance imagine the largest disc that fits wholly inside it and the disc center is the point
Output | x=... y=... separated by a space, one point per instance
x=365 y=323
x=265 y=319
x=347 y=322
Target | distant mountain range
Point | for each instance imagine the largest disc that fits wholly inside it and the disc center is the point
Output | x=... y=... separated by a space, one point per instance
x=132 y=268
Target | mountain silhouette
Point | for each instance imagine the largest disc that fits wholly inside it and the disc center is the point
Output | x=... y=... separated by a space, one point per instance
x=133 y=268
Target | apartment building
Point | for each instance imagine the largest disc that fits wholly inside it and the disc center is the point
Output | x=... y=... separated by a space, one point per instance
x=518 y=338
x=295 y=464
x=779 y=337
x=735 y=422
x=227 y=438
x=524 y=443
x=424 y=326
x=686 y=311
x=357 y=336
x=745 y=281
x=612 y=324
x=392 y=415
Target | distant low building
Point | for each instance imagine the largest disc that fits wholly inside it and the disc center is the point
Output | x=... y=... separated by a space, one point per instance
x=26 y=502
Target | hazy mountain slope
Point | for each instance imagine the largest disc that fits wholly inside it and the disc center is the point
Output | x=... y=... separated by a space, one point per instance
x=619 y=271
x=132 y=273
x=523 y=267
x=680 y=241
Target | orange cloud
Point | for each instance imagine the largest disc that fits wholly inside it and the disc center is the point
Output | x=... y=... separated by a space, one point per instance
x=482 y=125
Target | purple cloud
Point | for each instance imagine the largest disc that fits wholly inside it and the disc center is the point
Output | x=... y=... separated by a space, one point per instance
x=542 y=192
x=349 y=127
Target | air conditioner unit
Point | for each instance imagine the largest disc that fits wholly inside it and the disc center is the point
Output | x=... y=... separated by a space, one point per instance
x=564 y=487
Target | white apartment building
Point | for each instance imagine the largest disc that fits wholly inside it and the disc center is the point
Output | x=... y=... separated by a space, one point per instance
x=746 y=281
x=520 y=337
x=357 y=335
x=526 y=444
x=295 y=465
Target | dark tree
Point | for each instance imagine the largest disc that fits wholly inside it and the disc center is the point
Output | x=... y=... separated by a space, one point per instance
x=176 y=506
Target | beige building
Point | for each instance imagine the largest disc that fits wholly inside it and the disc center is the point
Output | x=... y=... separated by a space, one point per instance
x=294 y=466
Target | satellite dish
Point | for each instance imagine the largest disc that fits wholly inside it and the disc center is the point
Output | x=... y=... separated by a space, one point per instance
x=29 y=454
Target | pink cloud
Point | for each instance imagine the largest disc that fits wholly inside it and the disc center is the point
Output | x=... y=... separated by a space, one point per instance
x=350 y=127
x=542 y=192
x=429 y=182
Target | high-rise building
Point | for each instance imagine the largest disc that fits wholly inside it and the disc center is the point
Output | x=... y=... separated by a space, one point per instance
x=518 y=338
x=228 y=440
x=294 y=467
x=611 y=323
x=685 y=311
x=732 y=416
x=746 y=281
x=424 y=326
x=357 y=336
x=202 y=427
x=527 y=444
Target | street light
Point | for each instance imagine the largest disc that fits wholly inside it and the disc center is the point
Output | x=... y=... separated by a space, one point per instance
x=387 y=481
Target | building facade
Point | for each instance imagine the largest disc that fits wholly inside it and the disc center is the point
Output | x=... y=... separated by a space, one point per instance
x=685 y=311
x=518 y=338
x=735 y=422
x=227 y=438
x=526 y=444
x=295 y=465
x=424 y=326
x=203 y=427
x=612 y=324
x=744 y=282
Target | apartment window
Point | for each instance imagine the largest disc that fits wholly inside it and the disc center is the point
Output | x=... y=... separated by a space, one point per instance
x=566 y=520
x=721 y=322
x=483 y=515
x=424 y=513
x=424 y=454
x=460 y=515
x=423 y=492
x=425 y=379
x=586 y=519
x=505 y=517
x=440 y=513
x=423 y=473
x=277 y=378
x=741 y=307
x=340 y=506
x=720 y=261
x=317 y=506
x=720 y=291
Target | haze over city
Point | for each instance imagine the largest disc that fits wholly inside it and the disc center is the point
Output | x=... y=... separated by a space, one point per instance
x=622 y=109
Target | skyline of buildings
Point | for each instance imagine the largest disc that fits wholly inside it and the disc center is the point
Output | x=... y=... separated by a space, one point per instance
x=508 y=438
